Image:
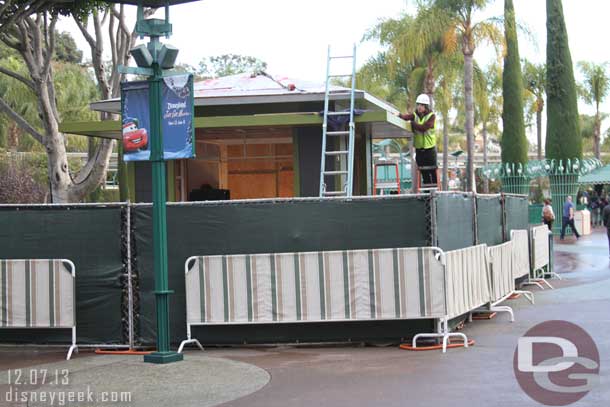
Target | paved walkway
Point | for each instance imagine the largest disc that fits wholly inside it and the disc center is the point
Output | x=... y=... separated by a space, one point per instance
x=362 y=376
x=199 y=380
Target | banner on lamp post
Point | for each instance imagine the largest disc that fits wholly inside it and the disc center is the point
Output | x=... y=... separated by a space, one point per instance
x=177 y=118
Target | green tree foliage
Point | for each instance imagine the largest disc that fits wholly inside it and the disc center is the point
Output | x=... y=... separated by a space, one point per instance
x=488 y=96
x=66 y=49
x=411 y=43
x=229 y=64
x=587 y=126
x=514 y=142
x=385 y=75
x=563 y=138
x=75 y=90
x=594 y=90
x=21 y=99
x=588 y=130
x=15 y=11
x=376 y=78
x=534 y=81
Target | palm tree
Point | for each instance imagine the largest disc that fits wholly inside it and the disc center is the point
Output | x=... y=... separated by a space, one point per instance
x=375 y=77
x=594 y=90
x=444 y=96
x=534 y=82
x=404 y=72
x=455 y=19
x=488 y=94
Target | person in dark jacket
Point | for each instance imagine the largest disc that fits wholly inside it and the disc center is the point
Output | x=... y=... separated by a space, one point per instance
x=601 y=203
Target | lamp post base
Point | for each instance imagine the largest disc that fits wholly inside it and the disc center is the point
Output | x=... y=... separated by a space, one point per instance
x=163 y=357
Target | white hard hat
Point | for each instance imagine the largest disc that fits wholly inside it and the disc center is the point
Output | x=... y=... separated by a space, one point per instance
x=423 y=99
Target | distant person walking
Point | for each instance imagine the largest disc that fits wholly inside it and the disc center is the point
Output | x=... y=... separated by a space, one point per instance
x=601 y=203
x=568 y=218
x=595 y=210
x=606 y=219
x=548 y=216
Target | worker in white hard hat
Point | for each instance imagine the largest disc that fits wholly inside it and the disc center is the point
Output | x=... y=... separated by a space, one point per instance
x=422 y=123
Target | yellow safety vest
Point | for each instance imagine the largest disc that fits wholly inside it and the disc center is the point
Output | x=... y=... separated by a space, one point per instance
x=426 y=139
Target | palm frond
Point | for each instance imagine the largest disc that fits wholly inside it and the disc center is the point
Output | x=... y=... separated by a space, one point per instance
x=489 y=32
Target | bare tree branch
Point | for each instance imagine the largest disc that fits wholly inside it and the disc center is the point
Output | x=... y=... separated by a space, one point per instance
x=36 y=31
x=10 y=41
x=106 y=14
x=50 y=47
x=83 y=30
x=113 y=40
x=20 y=78
x=52 y=97
x=92 y=170
x=120 y=16
x=25 y=10
x=26 y=50
x=6 y=5
x=20 y=121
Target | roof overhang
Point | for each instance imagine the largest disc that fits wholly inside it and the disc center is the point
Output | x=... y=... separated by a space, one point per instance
x=598 y=176
x=384 y=123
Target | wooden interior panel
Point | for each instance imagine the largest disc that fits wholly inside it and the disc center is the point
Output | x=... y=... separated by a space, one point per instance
x=252 y=186
x=251 y=163
x=285 y=182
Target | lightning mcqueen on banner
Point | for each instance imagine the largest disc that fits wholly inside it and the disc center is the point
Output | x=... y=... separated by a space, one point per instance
x=177 y=111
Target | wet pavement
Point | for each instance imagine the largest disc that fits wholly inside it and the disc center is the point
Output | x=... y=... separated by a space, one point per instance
x=479 y=376
x=370 y=376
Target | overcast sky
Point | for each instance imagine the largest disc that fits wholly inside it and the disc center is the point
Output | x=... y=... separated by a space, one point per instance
x=292 y=36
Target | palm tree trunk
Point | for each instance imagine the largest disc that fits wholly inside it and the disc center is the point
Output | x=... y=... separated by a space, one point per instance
x=539 y=131
x=468 y=98
x=445 y=151
x=485 y=180
x=596 y=134
x=429 y=82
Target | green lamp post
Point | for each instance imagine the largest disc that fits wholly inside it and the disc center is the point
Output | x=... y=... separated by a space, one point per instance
x=154 y=60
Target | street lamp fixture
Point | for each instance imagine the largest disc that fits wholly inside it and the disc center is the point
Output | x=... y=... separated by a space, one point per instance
x=153 y=60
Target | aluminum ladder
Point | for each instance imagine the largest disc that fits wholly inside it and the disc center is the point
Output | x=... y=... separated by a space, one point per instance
x=342 y=157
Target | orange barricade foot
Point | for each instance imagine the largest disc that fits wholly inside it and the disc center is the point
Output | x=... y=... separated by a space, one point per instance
x=514 y=296
x=483 y=315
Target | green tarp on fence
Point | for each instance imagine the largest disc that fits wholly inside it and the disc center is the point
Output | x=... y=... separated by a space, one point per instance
x=455 y=221
x=516 y=213
x=91 y=238
x=535 y=214
x=489 y=220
